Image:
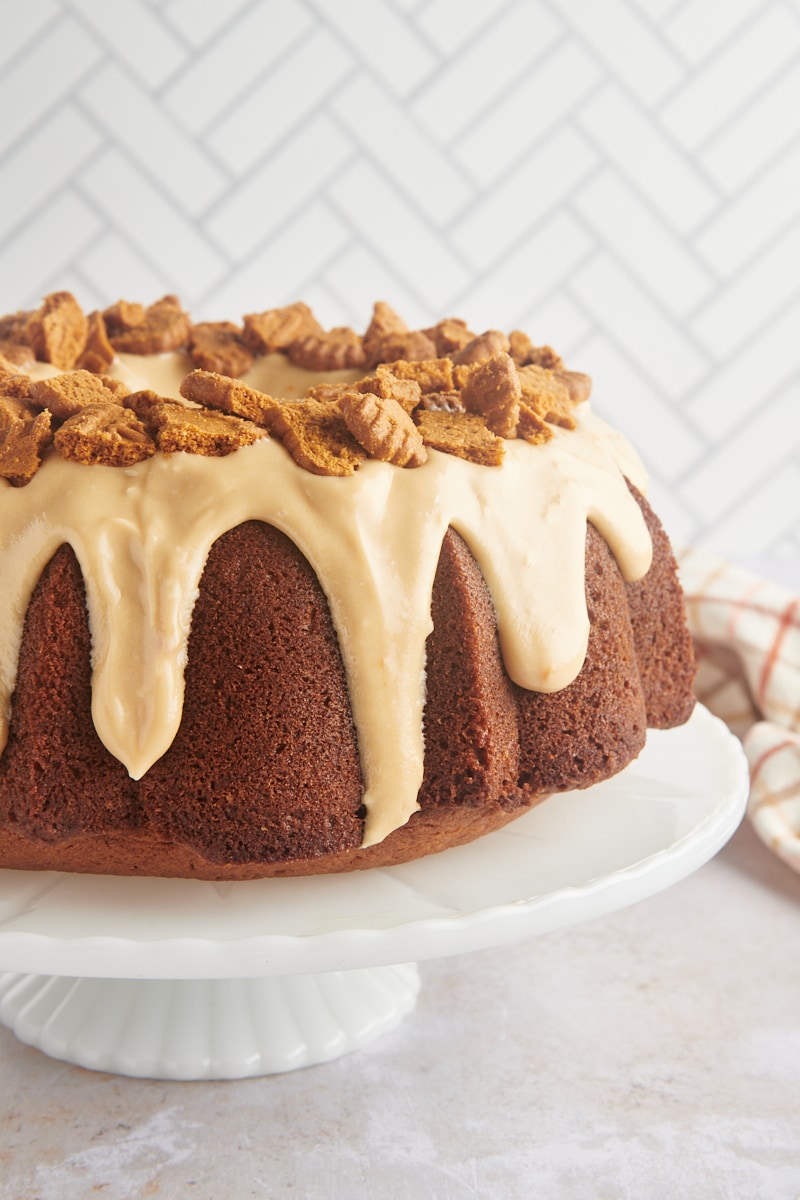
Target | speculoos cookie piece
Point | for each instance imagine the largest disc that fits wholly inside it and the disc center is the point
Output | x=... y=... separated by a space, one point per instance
x=98 y=353
x=523 y=352
x=547 y=395
x=316 y=435
x=67 y=394
x=276 y=329
x=58 y=330
x=465 y=435
x=213 y=390
x=383 y=428
x=165 y=326
x=493 y=392
x=486 y=345
x=432 y=374
x=336 y=350
x=383 y=382
x=24 y=436
x=577 y=384
x=450 y=336
x=104 y=435
x=218 y=346
x=201 y=431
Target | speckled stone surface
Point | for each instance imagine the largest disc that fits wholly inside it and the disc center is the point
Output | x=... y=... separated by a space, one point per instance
x=653 y=1053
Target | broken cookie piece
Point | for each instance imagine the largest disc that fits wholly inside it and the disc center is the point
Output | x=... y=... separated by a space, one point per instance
x=493 y=392
x=316 y=435
x=432 y=374
x=198 y=431
x=384 y=322
x=577 y=384
x=98 y=353
x=13 y=352
x=463 y=434
x=450 y=336
x=523 y=352
x=58 y=330
x=123 y=316
x=24 y=436
x=106 y=435
x=412 y=346
x=12 y=381
x=531 y=427
x=386 y=384
x=218 y=346
x=335 y=350
x=67 y=394
x=485 y=346
x=163 y=327
x=388 y=338
x=228 y=395
x=383 y=428
x=145 y=402
x=277 y=328
x=547 y=395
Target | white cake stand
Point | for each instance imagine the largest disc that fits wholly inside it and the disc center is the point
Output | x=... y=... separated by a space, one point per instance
x=182 y=979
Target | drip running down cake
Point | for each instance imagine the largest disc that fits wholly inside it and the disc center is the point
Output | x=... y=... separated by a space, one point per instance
x=283 y=600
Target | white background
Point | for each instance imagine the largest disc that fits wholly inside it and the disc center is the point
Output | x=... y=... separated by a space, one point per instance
x=620 y=178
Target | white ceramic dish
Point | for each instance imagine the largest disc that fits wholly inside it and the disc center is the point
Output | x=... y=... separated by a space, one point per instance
x=282 y=973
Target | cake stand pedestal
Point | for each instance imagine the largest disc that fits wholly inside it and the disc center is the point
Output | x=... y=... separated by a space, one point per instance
x=182 y=979
x=206 y=1028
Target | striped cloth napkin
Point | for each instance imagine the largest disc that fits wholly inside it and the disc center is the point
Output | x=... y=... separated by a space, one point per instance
x=746 y=632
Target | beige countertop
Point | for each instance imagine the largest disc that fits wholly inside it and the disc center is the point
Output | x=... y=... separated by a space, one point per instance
x=651 y=1053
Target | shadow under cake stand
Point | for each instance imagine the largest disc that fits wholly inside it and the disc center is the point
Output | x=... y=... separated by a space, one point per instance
x=183 y=979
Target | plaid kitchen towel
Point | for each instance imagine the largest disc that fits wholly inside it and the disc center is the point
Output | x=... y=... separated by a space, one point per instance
x=746 y=632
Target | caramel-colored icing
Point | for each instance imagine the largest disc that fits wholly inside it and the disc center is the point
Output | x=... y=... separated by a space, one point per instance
x=142 y=535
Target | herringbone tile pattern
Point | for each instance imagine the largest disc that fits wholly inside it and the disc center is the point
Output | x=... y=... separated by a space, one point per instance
x=621 y=179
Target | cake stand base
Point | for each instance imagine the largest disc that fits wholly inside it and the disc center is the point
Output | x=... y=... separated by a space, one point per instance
x=188 y=979
x=206 y=1028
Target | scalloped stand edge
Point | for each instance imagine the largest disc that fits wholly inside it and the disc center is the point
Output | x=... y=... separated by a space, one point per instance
x=206 y=1029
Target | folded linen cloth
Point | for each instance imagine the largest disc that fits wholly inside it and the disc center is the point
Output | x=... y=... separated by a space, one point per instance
x=746 y=632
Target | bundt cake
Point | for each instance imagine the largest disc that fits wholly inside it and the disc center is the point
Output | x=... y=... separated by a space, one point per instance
x=284 y=600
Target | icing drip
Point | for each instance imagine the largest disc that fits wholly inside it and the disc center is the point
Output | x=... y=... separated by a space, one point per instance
x=142 y=536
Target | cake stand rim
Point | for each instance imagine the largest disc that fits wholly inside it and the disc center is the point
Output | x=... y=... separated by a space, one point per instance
x=254 y=955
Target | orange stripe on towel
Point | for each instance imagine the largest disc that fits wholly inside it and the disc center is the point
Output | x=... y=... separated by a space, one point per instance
x=786 y=620
x=788 y=744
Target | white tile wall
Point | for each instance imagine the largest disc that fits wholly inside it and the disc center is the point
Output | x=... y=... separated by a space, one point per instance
x=620 y=177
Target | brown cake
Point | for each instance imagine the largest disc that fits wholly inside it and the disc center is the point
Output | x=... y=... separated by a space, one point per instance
x=281 y=600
